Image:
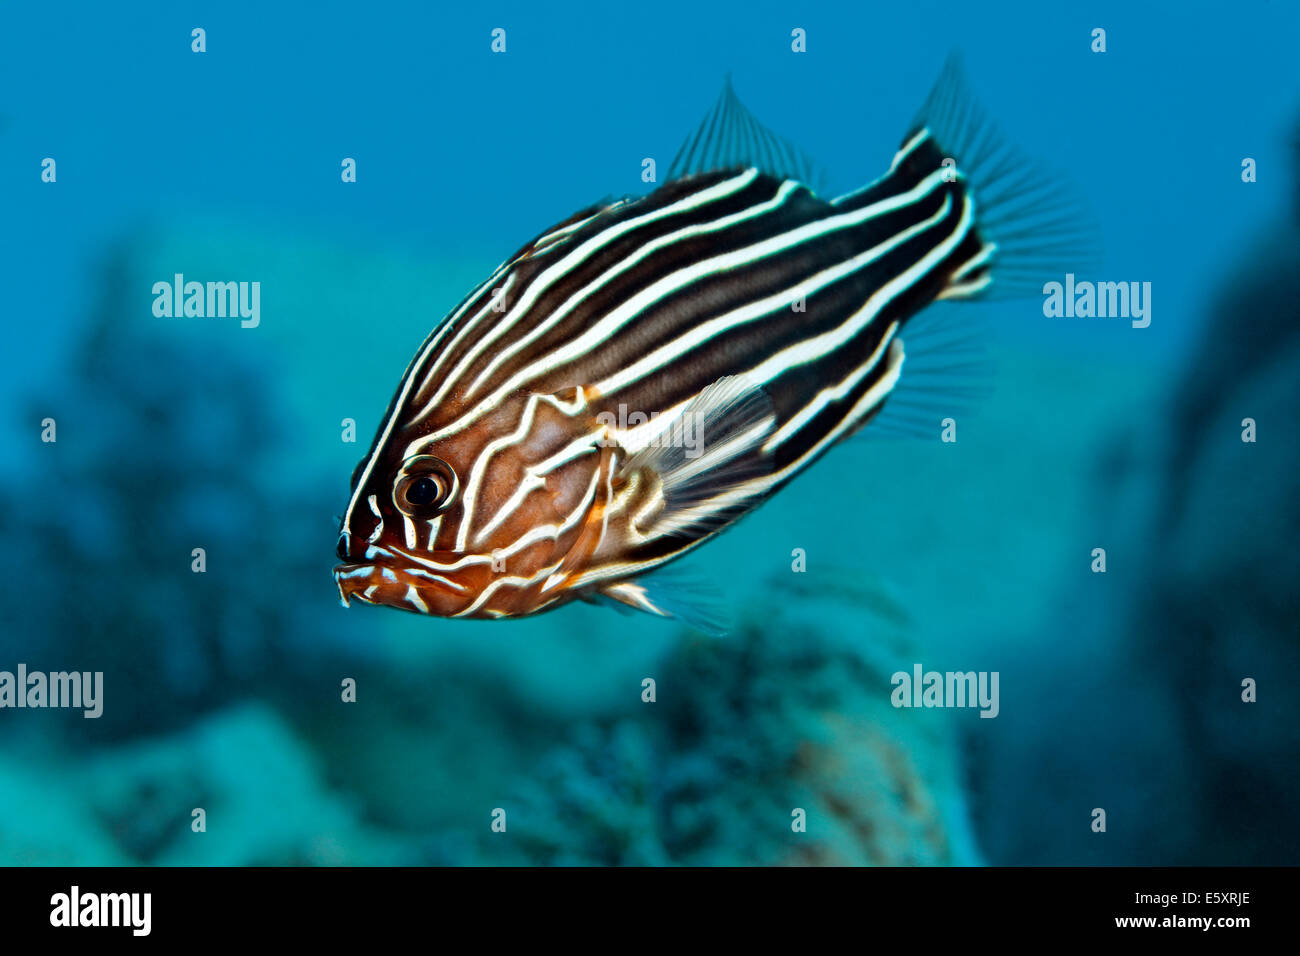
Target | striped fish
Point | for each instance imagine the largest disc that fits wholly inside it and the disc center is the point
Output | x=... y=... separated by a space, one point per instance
x=645 y=373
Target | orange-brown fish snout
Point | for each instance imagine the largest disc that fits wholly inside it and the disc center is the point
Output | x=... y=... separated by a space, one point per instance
x=411 y=589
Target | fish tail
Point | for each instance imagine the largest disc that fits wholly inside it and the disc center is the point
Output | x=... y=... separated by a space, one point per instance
x=1028 y=226
x=1020 y=227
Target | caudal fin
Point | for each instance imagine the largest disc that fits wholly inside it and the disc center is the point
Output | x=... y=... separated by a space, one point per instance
x=1030 y=226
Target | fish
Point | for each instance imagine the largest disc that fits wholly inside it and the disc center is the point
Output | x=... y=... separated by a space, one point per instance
x=647 y=372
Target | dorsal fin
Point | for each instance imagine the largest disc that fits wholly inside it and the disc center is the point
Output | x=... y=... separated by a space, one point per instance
x=731 y=136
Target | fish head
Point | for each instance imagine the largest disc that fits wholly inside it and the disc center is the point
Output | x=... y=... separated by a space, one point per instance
x=487 y=522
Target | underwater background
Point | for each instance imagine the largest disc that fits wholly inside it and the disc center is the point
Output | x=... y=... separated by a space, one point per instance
x=1120 y=690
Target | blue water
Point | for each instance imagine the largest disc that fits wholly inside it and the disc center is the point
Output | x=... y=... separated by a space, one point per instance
x=175 y=434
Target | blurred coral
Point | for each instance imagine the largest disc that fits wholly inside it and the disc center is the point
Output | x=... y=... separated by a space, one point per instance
x=744 y=731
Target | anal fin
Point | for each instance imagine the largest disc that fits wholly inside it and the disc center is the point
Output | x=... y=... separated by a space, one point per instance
x=947 y=371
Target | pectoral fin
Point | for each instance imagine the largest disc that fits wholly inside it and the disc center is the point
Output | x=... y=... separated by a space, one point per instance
x=707 y=460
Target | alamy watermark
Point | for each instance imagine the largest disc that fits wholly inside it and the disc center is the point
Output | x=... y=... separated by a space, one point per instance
x=75 y=908
x=213 y=300
x=1102 y=300
x=922 y=688
x=686 y=431
x=75 y=689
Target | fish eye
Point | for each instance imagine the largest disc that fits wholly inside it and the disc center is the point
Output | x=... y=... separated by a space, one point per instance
x=425 y=486
x=423 y=491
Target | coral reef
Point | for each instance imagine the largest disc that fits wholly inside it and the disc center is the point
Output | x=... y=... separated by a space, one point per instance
x=745 y=730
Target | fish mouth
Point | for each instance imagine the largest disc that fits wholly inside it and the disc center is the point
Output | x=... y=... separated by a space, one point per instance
x=399 y=586
x=438 y=562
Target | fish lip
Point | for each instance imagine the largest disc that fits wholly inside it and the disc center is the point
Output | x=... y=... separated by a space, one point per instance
x=424 y=575
x=410 y=574
x=396 y=559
